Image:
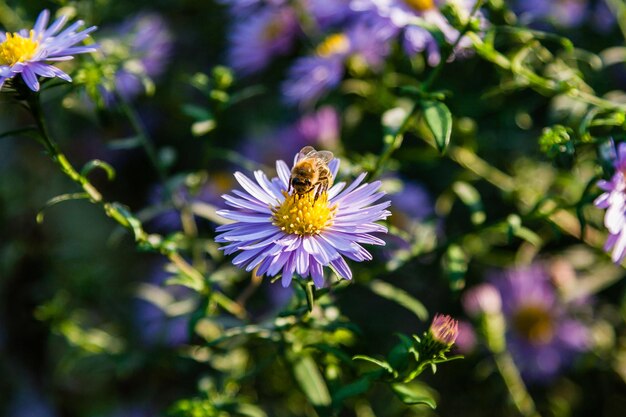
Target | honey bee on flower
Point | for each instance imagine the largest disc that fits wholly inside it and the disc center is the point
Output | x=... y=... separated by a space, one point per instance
x=305 y=231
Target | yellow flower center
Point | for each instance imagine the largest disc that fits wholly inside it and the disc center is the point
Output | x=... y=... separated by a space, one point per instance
x=534 y=323
x=303 y=215
x=16 y=48
x=337 y=43
x=420 y=5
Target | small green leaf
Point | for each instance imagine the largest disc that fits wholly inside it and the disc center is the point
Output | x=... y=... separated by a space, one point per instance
x=196 y=112
x=125 y=143
x=471 y=198
x=381 y=363
x=96 y=163
x=439 y=121
x=399 y=296
x=338 y=353
x=310 y=380
x=414 y=394
x=455 y=263
x=360 y=386
x=16 y=132
x=59 y=199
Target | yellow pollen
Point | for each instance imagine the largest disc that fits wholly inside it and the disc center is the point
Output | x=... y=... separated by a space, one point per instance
x=16 y=48
x=337 y=43
x=534 y=323
x=303 y=215
x=420 y=5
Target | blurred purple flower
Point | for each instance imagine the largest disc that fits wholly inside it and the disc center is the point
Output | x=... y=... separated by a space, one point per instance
x=311 y=77
x=330 y=12
x=412 y=210
x=482 y=299
x=241 y=8
x=405 y=16
x=466 y=340
x=542 y=335
x=257 y=39
x=143 y=46
x=613 y=200
x=320 y=129
x=276 y=232
x=25 y=53
x=565 y=13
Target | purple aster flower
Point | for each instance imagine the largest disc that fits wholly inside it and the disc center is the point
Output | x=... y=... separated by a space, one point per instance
x=313 y=76
x=542 y=336
x=26 y=52
x=330 y=12
x=411 y=17
x=240 y=8
x=613 y=200
x=565 y=13
x=256 y=40
x=277 y=232
x=142 y=45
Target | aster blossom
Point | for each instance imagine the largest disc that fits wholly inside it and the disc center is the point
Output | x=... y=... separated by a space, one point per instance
x=278 y=232
x=415 y=20
x=543 y=336
x=26 y=52
x=613 y=200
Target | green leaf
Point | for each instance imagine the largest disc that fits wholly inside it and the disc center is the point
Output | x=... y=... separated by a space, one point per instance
x=399 y=296
x=249 y=410
x=125 y=143
x=471 y=198
x=439 y=121
x=16 y=132
x=196 y=112
x=414 y=394
x=380 y=363
x=96 y=163
x=59 y=199
x=310 y=380
x=455 y=262
x=516 y=229
x=360 y=386
x=338 y=353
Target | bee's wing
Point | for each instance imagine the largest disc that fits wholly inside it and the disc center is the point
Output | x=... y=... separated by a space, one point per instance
x=305 y=152
x=325 y=156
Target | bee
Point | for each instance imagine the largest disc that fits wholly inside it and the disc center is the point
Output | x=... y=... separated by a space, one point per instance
x=311 y=171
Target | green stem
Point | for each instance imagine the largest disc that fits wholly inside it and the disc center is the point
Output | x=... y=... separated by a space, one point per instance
x=514 y=383
x=394 y=141
x=115 y=211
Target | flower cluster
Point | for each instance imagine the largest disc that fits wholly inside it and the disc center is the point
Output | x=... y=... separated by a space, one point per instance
x=350 y=33
x=614 y=201
x=26 y=53
x=278 y=232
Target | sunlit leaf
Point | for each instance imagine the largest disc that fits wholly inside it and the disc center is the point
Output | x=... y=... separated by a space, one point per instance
x=399 y=296
x=439 y=121
x=311 y=381
x=414 y=394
